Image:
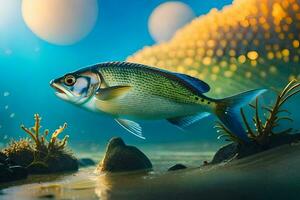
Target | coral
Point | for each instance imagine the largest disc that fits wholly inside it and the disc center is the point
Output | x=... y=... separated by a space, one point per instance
x=44 y=149
x=265 y=128
x=39 y=152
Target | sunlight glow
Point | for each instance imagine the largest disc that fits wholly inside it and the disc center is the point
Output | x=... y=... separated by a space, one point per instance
x=8 y=10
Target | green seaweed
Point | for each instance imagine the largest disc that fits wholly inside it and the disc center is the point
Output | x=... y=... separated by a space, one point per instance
x=273 y=115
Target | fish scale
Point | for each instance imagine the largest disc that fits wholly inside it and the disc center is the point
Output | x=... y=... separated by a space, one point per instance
x=145 y=82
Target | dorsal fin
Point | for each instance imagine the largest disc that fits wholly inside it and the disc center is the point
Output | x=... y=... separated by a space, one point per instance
x=201 y=86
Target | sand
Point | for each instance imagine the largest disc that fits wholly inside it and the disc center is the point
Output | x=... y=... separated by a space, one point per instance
x=273 y=174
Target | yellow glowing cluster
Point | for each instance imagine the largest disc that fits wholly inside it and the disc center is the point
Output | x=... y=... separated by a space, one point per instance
x=248 y=44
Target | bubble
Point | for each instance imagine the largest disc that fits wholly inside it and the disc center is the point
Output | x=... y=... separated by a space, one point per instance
x=8 y=52
x=73 y=19
x=12 y=115
x=37 y=49
x=6 y=107
x=6 y=94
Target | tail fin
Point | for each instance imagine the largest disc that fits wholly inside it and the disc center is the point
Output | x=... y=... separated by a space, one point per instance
x=228 y=111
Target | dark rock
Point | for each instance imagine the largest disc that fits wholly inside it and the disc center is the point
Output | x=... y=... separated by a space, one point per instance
x=85 y=162
x=122 y=158
x=3 y=157
x=177 y=167
x=63 y=163
x=234 y=150
x=2 y=166
x=22 y=157
x=13 y=173
x=38 y=168
x=47 y=196
x=6 y=175
x=10 y=162
x=19 y=172
x=239 y=151
x=205 y=162
x=225 y=153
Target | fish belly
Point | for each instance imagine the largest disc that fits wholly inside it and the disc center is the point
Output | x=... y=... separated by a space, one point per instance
x=147 y=106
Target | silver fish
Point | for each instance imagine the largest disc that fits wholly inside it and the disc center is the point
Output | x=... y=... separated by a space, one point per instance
x=129 y=91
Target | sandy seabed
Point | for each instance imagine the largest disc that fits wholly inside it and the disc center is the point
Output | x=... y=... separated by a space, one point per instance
x=273 y=174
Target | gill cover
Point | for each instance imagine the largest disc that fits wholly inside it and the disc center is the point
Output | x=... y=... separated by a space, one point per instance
x=77 y=87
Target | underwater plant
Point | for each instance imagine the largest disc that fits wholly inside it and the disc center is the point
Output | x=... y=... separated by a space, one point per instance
x=39 y=154
x=265 y=129
x=44 y=149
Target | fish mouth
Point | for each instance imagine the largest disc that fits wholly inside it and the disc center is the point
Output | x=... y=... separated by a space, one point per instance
x=61 y=92
x=57 y=88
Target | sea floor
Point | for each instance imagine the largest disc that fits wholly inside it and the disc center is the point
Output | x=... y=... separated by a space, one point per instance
x=272 y=174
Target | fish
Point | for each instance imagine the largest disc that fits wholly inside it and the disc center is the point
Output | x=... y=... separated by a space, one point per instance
x=131 y=91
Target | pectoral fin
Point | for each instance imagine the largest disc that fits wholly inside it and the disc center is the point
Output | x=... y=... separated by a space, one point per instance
x=132 y=127
x=105 y=94
x=184 y=122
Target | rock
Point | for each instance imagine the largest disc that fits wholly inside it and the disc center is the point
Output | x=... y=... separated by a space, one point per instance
x=2 y=167
x=122 y=158
x=177 y=167
x=19 y=172
x=3 y=158
x=6 y=175
x=38 y=168
x=47 y=196
x=225 y=153
x=8 y=172
x=21 y=157
x=234 y=150
x=13 y=173
x=63 y=163
x=86 y=162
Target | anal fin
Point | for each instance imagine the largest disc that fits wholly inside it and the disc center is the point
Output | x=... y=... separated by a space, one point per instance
x=132 y=127
x=186 y=121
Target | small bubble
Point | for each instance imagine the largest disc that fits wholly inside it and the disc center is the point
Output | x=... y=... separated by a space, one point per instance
x=37 y=49
x=12 y=115
x=6 y=107
x=5 y=137
x=8 y=52
x=6 y=94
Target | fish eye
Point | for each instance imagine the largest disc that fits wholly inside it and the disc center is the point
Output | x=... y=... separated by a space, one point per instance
x=70 y=80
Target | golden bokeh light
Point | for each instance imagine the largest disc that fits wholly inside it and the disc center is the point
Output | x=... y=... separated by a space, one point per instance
x=249 y=44
x=252 y=55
